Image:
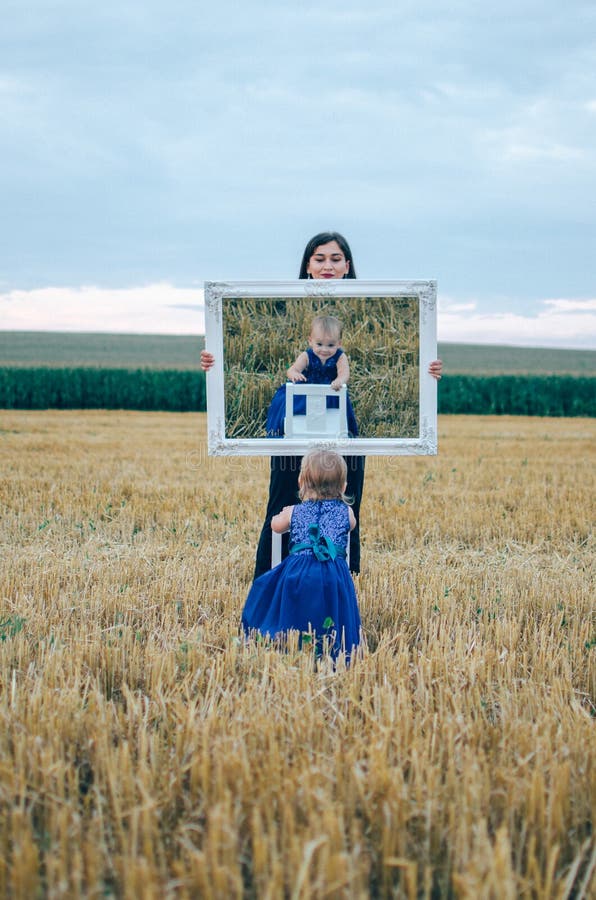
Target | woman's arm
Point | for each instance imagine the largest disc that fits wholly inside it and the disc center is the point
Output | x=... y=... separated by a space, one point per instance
x=281 y=522
x=295 y=371
x=343 y=372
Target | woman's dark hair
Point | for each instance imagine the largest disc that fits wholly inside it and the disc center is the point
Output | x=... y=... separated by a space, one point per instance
x=324 y=238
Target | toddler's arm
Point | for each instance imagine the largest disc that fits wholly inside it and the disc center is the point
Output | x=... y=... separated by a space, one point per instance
x=343 y=372
x=352 y=518
x=295 y=371
x=281 y=522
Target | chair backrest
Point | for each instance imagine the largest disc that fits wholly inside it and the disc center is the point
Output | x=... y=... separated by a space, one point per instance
x=316 y=420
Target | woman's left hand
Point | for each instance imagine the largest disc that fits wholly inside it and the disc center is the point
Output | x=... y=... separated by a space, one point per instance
x=436 y=368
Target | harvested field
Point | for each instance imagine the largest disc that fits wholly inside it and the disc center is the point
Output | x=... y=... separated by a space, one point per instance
x=146 y=752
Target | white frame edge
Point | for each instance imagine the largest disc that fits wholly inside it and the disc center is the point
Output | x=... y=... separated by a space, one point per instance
x=215 y=294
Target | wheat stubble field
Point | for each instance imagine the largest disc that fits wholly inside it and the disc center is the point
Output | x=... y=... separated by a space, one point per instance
x=146 y=752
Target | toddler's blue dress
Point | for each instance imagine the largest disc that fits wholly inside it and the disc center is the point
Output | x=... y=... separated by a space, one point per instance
x=315 y=373
x=312 y=589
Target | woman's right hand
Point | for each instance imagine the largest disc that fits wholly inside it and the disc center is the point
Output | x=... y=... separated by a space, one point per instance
x=207 y=360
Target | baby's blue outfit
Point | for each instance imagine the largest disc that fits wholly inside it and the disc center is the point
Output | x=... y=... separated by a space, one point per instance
x=315 y=373
x=312 y=589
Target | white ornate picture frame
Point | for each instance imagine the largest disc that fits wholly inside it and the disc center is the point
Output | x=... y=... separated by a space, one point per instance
x=256 y=329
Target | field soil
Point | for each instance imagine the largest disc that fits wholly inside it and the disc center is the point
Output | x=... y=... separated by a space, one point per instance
x=147 y=751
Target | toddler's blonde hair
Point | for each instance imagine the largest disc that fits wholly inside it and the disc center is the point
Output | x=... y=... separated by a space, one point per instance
x=323 y=476
x=329 y=325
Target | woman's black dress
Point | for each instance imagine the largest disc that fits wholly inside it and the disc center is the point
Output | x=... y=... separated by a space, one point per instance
x=283 y=491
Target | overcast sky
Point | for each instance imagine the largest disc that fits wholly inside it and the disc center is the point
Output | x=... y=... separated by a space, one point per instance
x=149 y=146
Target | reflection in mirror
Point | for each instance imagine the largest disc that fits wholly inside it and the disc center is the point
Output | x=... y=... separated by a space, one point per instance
x=262 y=337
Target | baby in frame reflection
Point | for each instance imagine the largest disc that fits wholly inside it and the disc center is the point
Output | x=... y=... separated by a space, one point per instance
x=324 y=362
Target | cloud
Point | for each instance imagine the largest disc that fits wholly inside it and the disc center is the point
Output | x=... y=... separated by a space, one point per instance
x=166 y=309
x=447 y=138
x=570 y=305
x=558 y=323
x=450 y=306
x=197 y=307
x=537 y=152
x=151 y=309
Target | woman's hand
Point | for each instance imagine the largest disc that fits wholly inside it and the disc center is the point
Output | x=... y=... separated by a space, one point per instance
x=207 y=360
x=436 y=368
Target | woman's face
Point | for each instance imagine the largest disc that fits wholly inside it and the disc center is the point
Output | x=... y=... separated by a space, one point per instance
x=328 y=261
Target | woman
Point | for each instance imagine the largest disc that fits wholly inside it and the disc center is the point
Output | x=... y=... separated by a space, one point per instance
x=327 y=255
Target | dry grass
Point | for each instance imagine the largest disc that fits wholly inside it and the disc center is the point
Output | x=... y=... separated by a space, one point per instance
x=262 y=337
x=144 y=752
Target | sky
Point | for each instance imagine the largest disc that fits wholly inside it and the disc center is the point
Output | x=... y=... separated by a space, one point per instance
x=146 y=147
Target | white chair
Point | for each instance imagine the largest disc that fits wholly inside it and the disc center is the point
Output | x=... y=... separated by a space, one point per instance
x=275 y=549
x=318 y=421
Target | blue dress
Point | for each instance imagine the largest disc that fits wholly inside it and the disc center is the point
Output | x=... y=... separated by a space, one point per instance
x=312 y=589
x=315 y=373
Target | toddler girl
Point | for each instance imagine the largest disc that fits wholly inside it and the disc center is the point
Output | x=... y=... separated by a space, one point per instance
x=324 y=362
x=312 y=590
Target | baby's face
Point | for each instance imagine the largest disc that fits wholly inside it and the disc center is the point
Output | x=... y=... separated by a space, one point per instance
x=322 y=343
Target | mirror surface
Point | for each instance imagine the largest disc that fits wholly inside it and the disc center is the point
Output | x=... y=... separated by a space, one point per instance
x=262 y=337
